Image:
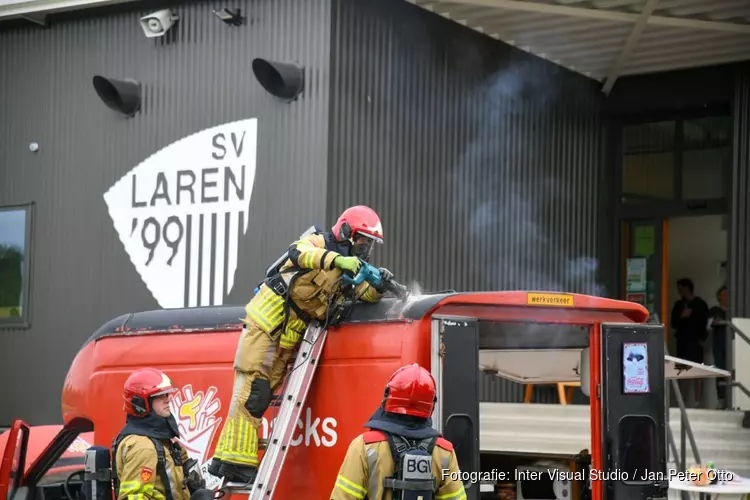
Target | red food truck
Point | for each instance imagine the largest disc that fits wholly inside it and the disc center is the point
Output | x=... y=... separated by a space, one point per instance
x=619 y=358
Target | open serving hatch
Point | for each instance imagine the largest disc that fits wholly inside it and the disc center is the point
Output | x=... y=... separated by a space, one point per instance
x=543 y=366
x=543 y=337
x=549 y=353
x=532 y=353
x=559 y=365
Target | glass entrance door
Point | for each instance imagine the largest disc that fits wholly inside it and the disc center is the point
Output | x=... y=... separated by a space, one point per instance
x=644 y=266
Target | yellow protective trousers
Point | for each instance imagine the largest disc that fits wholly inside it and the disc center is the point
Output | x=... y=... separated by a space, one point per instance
x=259 y=369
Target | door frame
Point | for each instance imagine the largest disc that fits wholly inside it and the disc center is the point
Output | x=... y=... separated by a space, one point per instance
x=438 y=327
x=623 y=245
x=661 y=224
x=624 y=212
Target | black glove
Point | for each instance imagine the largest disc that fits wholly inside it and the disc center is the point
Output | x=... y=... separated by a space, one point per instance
x=385 y=274
x=193 y=476
x=385 y=277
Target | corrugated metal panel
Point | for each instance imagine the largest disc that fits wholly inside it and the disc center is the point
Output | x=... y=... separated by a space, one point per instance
x=739 y=266
x=200 y=78
x=589 y=36
x=483 y=162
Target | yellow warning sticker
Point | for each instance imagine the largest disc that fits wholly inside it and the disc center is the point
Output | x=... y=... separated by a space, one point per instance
x=550 y=299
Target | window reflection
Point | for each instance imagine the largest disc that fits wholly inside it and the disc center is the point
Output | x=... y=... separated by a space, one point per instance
x=648 y=162
x=13 y=223
x=682 y=160
x=707 y=157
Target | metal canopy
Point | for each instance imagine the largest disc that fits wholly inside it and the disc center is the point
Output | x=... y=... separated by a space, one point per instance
x=677 y=368
x=550 y=366
x=37 y=10
x=602 y=39
x=606 y=39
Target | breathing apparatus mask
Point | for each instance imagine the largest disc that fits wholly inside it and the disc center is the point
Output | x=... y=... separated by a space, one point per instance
x=362 y=245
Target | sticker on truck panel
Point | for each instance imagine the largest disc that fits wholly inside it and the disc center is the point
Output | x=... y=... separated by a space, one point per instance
x=550 y=299
x=635 y=367
x=196 y=414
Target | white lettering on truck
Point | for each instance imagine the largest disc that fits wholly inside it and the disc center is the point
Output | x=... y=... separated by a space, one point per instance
x=312 y=431
x=317 y=431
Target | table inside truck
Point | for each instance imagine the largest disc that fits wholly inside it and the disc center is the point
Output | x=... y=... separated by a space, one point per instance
x=738 y=488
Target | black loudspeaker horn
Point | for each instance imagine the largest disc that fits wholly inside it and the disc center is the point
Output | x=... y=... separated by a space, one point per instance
x=283 y=80
x=123 y=96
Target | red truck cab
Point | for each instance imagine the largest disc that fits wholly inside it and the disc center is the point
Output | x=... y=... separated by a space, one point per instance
x=196 y=348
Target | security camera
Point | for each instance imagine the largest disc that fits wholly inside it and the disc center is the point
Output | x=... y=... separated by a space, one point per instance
x=158 y=23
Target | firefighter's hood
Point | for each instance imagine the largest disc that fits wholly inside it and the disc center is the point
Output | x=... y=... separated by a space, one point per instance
x=402 y=425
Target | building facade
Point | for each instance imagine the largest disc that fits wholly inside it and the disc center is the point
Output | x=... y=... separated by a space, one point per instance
x=491 y=168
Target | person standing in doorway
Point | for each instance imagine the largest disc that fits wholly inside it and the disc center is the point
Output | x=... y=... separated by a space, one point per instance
x=718 y=315
x=690 y=323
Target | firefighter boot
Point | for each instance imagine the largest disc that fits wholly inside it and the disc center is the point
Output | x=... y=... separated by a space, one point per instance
x=215 y=467
x=235 y=473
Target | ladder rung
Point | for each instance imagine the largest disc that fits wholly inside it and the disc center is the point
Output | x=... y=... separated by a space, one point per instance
x=241 y=488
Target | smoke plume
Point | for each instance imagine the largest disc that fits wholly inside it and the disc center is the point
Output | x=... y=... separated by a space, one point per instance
x=525 y=218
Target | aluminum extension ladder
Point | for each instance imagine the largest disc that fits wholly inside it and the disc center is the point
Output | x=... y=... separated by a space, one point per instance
x=292 y=401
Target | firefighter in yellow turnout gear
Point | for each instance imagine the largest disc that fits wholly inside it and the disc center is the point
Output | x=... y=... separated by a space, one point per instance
x=305 y=286
x=137 y=459
x=401 y=433
x=148 y=463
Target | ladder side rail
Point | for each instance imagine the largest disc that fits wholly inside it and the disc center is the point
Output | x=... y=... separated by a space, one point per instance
x=294 y=407
x=290 y=409
x=290 y=405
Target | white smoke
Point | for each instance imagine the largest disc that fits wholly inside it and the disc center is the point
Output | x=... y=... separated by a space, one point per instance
x=399 y=306
x=520 y=213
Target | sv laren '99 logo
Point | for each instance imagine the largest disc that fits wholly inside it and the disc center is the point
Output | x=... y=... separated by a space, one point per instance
x=181 y=213
x=173 y=229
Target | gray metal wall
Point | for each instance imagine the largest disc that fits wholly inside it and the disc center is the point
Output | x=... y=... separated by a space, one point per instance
x=201 y=78
x=739 y=248
x=483 y=161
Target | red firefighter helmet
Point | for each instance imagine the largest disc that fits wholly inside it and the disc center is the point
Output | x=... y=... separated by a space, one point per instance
x=141 y=386
x=361 y=226
x=410 y=391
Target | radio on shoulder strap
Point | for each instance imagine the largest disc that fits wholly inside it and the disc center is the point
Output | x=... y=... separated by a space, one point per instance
x=413 y=478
